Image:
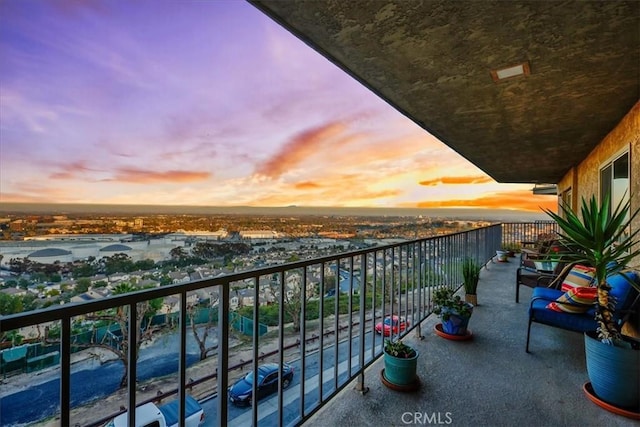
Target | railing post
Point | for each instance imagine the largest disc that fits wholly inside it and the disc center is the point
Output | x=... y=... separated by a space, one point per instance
x=132 y=361
x=223 y=353
x=363 y=327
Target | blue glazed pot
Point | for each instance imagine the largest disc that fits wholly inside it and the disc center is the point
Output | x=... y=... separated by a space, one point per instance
x=455 y=325
x=614 y=372
x=400 y=371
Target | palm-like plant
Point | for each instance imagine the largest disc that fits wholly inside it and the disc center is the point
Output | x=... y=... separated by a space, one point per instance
x=598 y=238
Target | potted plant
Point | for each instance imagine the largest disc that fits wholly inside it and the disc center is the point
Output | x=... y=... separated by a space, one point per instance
x=400 y=365
x=454 y=313
x=601 y=239
x=470 y=277
x=510 y=249
x=502 y=255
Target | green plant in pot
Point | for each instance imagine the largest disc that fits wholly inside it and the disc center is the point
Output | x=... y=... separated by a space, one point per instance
x=400 y=365
x=600 y=238
x=453 y=311
x=470 y=277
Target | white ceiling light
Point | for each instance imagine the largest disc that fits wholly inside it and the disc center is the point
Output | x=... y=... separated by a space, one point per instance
x=509 y=72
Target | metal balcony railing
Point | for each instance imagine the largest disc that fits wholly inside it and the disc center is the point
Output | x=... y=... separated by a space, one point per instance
x=515 y=234
x=343 y=296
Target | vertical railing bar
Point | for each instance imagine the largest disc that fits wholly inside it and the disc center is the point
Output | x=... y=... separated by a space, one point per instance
x=363 y=326
x=256 y=344
x=132 y=365
x=350 y=327
x=321 y=339
x=336 y=326
x=280 y=346
x=385 y=272
x=182 y=359
x=303 y=339
x=393 y=292
x=374 y=305
x=223 y=353
x=65 y=371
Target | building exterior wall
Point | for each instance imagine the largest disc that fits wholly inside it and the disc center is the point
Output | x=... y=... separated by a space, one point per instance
x=583 y=180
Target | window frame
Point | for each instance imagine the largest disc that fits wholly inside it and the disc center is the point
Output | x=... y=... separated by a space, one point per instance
x=610 y=163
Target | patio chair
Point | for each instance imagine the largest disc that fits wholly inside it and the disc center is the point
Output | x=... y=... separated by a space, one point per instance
x=540 y=247
x=573 y=319
x=532 y=277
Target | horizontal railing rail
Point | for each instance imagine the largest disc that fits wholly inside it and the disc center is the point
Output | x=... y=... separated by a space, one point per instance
x=342 y=296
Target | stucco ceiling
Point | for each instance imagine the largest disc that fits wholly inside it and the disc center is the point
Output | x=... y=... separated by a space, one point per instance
x=432 y=60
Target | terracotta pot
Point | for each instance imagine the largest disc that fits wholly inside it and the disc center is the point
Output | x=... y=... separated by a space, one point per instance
x=471 y=299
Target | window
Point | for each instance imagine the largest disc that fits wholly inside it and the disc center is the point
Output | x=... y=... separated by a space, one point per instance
x=614 y=179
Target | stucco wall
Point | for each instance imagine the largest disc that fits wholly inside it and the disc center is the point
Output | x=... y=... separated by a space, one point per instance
x=583 y=179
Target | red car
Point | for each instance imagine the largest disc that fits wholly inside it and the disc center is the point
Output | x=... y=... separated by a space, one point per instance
x=392 y=325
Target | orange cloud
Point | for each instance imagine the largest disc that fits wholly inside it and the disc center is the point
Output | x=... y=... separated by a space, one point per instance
x=299 y=148
x=457 y=180
x=306 y=185
x=520 y=200
x=139 y=176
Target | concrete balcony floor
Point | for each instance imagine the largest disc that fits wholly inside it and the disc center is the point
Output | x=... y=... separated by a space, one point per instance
x=487 y=381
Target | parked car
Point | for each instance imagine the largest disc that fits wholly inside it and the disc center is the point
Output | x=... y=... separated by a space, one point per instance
x=164 y=415
x=240 y=393
x=392 y=325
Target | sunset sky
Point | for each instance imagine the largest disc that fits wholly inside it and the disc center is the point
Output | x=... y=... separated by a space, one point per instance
x=206 y=103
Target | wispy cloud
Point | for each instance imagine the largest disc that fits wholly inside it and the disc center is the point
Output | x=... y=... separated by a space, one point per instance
x=457 y=180
x=139 y=176
x=299 y=148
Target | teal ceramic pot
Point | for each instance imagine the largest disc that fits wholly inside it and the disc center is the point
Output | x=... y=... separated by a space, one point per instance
x=400 y=371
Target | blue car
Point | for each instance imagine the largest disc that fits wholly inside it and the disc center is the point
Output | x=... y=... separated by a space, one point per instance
x=240 y=393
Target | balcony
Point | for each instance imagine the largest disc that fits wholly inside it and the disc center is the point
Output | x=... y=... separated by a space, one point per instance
x=489 y=380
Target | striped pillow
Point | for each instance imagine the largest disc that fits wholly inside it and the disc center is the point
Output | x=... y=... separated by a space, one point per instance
x=577 y=300
x=579 y=276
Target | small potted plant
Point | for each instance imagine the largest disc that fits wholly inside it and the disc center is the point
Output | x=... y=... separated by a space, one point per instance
x=454 y=313
x=470 y=277
x=502 y=255
x=400 y=365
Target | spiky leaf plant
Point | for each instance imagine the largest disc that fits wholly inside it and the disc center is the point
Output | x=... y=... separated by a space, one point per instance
x=597 y=238
x=470 y=275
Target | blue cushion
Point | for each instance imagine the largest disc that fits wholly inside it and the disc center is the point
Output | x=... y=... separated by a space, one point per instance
x=582 y=322
x=621 y=288
x=549 y=294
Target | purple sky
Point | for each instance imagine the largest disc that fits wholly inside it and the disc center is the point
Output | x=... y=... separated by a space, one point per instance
x=205 y=103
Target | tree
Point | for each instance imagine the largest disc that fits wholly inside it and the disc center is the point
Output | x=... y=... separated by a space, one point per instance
x=82 y=285
x=10 y=304
x=178 y=253
x=201 y=332
x=145 y=310
x=292 y=297
x=118 y=263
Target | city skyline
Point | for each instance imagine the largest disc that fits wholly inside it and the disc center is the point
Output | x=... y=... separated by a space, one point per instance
x=207 y=104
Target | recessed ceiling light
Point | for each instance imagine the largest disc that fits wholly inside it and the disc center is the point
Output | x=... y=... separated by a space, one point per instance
x=509 y=72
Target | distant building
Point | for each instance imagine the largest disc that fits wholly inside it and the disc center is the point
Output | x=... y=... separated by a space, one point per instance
x=259 y=234
x=50 y=255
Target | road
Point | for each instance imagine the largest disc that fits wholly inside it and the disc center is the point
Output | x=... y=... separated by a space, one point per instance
x=268 y=407
x=91 y=381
